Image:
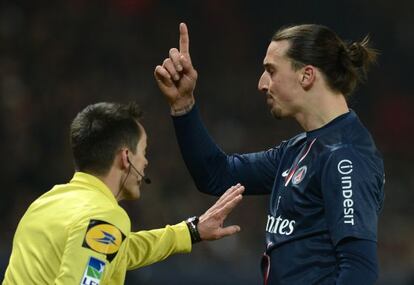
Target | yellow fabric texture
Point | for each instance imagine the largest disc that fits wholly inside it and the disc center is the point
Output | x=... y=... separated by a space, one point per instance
x=54 y=242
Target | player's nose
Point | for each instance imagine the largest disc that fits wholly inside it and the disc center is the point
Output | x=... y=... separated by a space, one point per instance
x=263 y=84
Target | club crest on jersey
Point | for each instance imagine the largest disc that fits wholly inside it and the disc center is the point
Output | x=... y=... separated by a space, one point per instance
x=299 y=175
x=104 y=238
x=93 y=272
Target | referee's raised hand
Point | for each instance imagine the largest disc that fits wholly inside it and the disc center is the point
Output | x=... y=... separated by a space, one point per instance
x=210 y=226
x=176 y=77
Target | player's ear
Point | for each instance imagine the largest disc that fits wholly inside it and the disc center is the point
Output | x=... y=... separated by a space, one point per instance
x=307 y=76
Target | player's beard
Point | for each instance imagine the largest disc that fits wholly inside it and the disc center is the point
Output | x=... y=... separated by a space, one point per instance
x=276 y=112
x=275 y=109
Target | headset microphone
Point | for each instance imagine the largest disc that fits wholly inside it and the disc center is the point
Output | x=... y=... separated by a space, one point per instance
x=146 y=179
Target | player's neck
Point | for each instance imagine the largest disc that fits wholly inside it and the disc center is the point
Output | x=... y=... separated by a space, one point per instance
x=321 y=109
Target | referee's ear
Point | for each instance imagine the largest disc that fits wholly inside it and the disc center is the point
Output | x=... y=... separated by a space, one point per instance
x=122 y=159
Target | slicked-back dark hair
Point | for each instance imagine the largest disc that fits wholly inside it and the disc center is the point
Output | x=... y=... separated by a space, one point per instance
x=99 y=131
x=342 y=64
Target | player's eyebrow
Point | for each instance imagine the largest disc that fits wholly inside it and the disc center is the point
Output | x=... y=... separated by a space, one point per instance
x=267 y=66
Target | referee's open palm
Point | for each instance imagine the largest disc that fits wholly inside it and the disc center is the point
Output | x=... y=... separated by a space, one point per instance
x=210 y=224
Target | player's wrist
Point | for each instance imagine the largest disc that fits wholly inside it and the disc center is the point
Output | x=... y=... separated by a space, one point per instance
x=192 y=224
x=182 y=107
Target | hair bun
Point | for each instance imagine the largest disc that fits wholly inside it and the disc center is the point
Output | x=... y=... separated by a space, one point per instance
x=356 y=53
x=360 y=54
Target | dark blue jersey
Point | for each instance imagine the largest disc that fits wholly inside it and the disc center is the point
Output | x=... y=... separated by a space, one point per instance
x=325 y=185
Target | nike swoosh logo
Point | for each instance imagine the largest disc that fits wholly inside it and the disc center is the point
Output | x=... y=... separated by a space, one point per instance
x=285 y=173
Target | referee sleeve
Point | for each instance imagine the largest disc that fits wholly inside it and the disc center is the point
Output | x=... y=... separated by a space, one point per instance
x=147 y=247
x=76 y=258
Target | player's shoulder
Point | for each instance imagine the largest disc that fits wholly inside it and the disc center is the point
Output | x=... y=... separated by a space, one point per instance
x=355 y=132
x=353 y=142
x=353 y=156
x=348 y=134
x=287 y=145
x=293 y=142
x=296 y=140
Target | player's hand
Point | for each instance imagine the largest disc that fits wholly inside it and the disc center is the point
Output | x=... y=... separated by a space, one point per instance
x=210 y=225
x=176 y=77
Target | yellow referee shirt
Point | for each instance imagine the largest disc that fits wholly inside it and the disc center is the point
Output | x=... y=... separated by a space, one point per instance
x=78 y=234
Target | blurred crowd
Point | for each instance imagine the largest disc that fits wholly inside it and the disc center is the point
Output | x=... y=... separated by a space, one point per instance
x=56 y=57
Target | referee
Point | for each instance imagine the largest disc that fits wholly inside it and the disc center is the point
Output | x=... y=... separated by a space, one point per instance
x=78 y=234
x=325 y=184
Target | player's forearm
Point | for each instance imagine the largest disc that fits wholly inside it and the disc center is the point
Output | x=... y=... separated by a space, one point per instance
x=358 y=262
x=206 y=162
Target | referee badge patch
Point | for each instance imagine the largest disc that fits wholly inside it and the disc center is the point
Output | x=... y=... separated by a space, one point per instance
x=104 y=238
x=93 y=272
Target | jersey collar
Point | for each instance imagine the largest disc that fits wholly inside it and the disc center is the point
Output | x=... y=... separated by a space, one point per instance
x=335 y=123
x=92 y=183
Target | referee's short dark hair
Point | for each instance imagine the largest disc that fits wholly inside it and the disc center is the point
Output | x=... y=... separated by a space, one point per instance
x=343 y=64
x=99 y=131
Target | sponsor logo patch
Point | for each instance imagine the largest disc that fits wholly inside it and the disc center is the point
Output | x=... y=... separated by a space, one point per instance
x=279 y=225
x=93 y=272
x=345 y=168
x=104 y=238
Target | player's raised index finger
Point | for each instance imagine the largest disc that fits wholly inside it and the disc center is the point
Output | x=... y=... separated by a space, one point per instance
x=184 y=39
